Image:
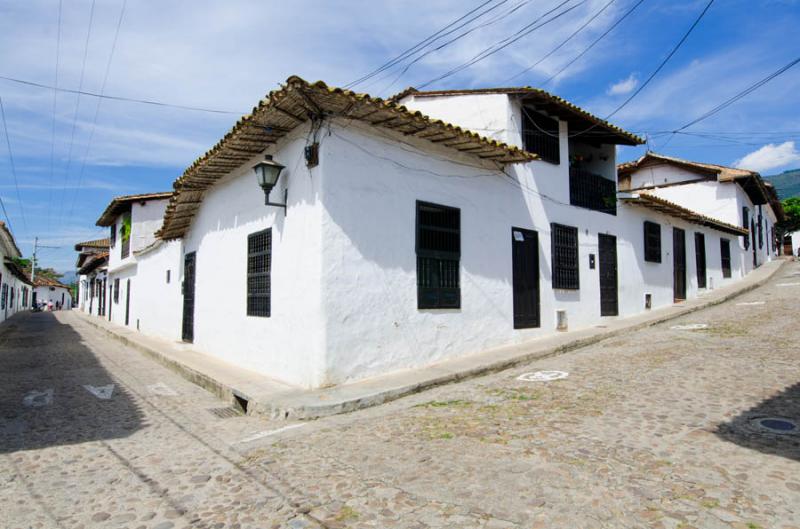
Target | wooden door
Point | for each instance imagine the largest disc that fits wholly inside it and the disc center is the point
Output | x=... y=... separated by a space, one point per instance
x=700 y=258
x=188 y=296
x=679 y=264
x=525 y=278
x=609 y=296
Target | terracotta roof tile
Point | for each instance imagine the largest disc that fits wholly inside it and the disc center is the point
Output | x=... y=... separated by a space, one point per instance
x=120 y=204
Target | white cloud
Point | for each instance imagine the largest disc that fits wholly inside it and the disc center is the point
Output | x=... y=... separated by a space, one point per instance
x=626 y=86
x=769 y=157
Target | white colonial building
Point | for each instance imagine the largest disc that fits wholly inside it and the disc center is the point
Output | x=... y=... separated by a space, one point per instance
x=393 y=240
x=132 y=221
x=736 y=196
x=15 y=287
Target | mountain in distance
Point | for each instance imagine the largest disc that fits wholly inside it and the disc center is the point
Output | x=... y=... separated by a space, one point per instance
x=787 y=183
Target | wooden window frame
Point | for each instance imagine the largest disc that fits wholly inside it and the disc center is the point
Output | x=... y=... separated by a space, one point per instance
x=565 y=257
x=725 y=261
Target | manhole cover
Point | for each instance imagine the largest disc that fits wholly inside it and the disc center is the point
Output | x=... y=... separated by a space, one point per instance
x=224 y=413
x=543 y=376
x=689 y=327
x=778 y=425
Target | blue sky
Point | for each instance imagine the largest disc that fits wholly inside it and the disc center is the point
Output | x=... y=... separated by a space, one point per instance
x=227 y=55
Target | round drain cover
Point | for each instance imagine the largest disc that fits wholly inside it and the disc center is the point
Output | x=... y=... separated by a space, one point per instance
x=689 y=327
x=779 y=425
x=543 y=376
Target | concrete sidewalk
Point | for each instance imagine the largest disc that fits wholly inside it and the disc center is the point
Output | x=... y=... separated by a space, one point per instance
x=264 y=396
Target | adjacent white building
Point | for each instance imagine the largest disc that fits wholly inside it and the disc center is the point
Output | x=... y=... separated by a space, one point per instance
x=408 y=231
x=91 y=265
x=15 y=287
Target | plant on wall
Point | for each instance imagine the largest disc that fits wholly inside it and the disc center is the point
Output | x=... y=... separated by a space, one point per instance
x=125 y=230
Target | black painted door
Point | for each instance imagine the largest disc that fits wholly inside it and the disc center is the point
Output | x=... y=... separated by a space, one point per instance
x=700 y=258
x=609 y=297
x=525 y=277
x=188 y=296
x=679 y=264
x=127 y=301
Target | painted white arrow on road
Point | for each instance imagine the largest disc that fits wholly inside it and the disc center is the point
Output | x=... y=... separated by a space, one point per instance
x=162 y=389
x=37 y=399
x=101 y=392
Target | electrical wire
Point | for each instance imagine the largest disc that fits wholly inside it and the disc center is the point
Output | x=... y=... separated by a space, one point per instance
x=496 y=19
x=592 y=45
x=101 y=95
x=504 y=43
x=423 y=43
x=55 y=105
x=77 y=108
x=655 y=72
x=562 y=44
x=97 y=108
x=753 y=87
x=13 y=169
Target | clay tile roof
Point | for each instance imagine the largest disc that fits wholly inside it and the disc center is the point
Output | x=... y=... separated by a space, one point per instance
x=16 y=270
x=94 y=261
x=98 y=243
x=750 y=181
x=578 y=118
x=293 y=104
x=674 y=210
x=120 y=204
x=43 y=281
x=10 y=237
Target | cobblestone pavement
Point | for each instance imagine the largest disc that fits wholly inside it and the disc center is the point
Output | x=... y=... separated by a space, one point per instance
x=652 y=429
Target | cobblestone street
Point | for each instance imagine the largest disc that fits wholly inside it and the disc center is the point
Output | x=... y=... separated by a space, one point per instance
x=653 y=429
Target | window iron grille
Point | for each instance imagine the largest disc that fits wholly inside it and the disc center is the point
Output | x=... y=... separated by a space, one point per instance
x=564 y=242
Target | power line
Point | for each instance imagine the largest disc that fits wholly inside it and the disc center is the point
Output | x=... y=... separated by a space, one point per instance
x=55 y=106
x=455 y=39
x=101 y=95
x=753 y=87
x=97 y=108
x=423 y=43
x=77 y=106
x=563 y=43
x=504 y=43
x=13 y=167
x=592 y=45
x=658 y=69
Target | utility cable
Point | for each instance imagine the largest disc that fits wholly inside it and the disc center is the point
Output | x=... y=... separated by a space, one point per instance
x=13 y=168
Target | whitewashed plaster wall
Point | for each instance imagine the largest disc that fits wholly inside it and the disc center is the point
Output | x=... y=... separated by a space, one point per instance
x=146 y=219
x=288 y=345
x=44 y=294
x=156 y=303
x=118 y=308
x=369 y=265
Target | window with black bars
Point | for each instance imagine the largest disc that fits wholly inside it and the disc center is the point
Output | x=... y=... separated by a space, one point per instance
x=652 y=242
x=540 y=135
x=438 y=249
x=4 y=297
x=725 y=257
x=116 y=290
x=564 y=242
x=259 y=266
x=746 y=225
x=760 y=231
x=113 y=235
x=592 y=191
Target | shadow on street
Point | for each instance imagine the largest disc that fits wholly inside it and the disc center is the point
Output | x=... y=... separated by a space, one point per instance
x=744 y=430
x=44 y=366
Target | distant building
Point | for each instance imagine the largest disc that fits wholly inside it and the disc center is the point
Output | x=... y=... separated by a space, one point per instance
x=15 y=287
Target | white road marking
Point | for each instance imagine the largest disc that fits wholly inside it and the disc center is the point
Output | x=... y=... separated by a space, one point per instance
x=261 y=435
x=37 y=399
x=543 y=376
x=750 y=303
x=689 y=327
x=162 y=389
x=101 y=392
x=787 y=284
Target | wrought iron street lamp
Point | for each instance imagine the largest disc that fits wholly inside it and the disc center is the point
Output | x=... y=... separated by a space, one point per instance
x=267 y=173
